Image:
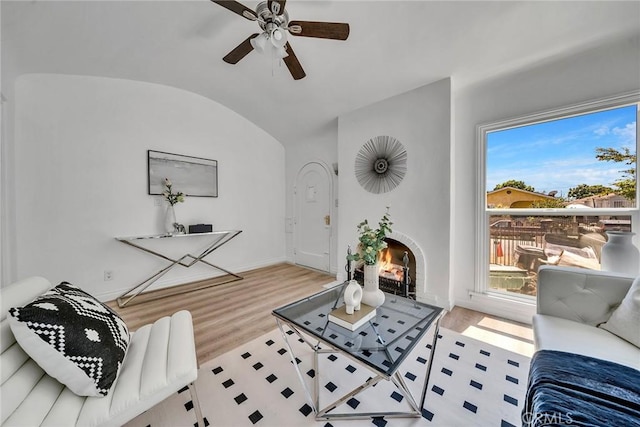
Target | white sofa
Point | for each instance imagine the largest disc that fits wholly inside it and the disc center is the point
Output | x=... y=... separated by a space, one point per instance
x=571 y=303
x=160 y=360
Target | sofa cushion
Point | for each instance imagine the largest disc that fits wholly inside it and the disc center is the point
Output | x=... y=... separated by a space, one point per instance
x=586 y=296
x=73 y=337
x=625 y=320
x=555 y=333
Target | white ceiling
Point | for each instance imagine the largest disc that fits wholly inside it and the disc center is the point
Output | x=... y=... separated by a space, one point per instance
x=394 y=46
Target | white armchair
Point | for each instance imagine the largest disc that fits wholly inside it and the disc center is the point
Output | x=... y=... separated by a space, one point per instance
x=161 y=359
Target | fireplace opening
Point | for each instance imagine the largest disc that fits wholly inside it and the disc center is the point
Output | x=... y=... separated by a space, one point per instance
x=391 y=274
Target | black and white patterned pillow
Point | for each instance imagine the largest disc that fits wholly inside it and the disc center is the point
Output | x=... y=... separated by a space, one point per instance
x=74 y=337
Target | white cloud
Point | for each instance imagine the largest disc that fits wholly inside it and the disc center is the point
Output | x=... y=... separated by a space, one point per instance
x=602 y=130
x=627 y=134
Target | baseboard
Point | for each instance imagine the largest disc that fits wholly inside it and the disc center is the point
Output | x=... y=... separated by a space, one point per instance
x=516 y=311
x=332 y=284
x=189 y=278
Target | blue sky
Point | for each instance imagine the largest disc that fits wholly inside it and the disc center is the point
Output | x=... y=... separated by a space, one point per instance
x=560 y=154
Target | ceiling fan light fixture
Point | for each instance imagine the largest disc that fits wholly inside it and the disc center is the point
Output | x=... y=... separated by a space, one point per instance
x=278 y=37
x=280 y=52
x=259 y=43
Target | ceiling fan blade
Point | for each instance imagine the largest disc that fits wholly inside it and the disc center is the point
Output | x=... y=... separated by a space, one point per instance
x=242 y=50
x=293 y=64
x=276 y=6
x=238 y=8
x=323 y=30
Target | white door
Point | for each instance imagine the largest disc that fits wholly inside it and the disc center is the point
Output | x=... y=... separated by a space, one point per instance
x=313 y=194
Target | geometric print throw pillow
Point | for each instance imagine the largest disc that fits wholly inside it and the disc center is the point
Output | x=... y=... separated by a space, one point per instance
x=73 y=337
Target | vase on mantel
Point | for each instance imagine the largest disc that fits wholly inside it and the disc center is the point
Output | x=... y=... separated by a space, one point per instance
x=371 y=294
x=619 y=253
x=170 y=220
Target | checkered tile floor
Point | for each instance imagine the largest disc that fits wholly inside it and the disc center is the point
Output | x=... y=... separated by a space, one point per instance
x=471 y=384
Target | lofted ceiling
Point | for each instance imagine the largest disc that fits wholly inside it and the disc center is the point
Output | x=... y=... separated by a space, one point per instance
x=394 y=46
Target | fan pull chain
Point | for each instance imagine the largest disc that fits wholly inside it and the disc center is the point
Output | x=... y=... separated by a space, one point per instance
x=275 y=59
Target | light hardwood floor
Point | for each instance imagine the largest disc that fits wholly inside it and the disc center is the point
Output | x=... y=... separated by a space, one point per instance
x=228 y=315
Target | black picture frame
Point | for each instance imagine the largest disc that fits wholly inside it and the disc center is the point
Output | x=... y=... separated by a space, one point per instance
x=193 y=176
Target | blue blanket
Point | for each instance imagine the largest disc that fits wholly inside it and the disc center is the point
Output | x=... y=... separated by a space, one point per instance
x=574 y=390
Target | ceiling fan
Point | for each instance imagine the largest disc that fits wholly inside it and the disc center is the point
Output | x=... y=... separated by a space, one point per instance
x=274 y=22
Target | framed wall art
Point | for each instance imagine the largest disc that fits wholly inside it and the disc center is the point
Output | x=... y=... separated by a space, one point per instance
x=194 y=176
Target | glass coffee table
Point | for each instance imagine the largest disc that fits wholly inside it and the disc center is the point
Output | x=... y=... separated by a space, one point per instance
x=381 y=345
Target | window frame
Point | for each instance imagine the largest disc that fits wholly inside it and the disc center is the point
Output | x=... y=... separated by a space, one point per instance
x=483 y=212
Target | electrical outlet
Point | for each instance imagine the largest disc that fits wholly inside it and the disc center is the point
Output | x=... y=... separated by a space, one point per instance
x=157 y=201
x=108 y=275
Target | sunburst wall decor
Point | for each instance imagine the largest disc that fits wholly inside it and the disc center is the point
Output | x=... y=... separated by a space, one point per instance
x=381 y=164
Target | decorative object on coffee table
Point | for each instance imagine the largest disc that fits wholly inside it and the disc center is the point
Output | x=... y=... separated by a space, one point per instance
x=381 y=164
x=619 y=253
x=352 y=297
x=352 y=321
x=371 y=243
x=372 y=295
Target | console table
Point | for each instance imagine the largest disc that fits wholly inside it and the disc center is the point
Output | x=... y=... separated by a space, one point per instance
x=217 y=239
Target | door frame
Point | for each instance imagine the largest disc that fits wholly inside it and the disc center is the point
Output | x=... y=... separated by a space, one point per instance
x=332 y=210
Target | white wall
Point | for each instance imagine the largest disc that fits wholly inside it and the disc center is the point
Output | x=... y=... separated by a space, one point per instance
x=419 y=206
x=597 y=73
x=81 y=174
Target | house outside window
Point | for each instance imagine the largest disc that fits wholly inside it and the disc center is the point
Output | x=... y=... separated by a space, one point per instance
x=550 y=186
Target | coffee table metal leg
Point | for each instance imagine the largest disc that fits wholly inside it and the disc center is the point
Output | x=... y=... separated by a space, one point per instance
x=322 y=414
x=402 y=386
x=295 y=365
x=430 y=363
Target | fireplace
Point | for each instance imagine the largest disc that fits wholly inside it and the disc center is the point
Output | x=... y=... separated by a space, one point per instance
x=392 y=263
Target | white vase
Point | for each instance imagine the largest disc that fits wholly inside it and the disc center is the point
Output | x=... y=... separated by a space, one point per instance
x=371 y=294
x=170 y=220
x=619 y=254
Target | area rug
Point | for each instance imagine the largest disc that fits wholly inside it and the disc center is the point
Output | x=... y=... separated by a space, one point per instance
x=472 y=384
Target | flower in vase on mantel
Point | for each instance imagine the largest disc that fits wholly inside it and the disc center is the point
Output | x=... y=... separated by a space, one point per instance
x=371 y=241
x=169 y=195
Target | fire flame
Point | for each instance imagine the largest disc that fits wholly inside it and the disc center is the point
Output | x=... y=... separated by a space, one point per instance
x=384 y=260
x=388 y=269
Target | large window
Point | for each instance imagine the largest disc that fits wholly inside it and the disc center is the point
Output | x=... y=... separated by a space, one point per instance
x=551 y=185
